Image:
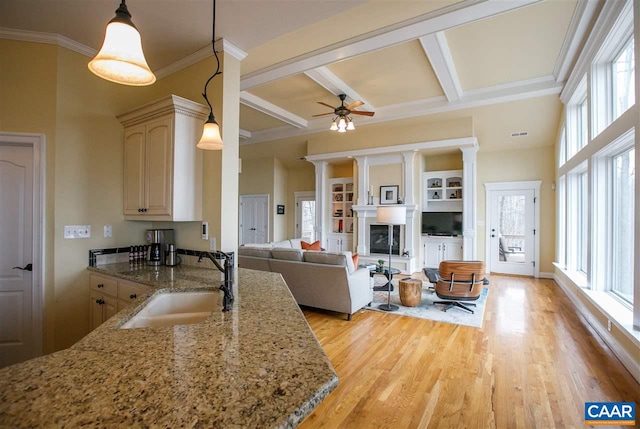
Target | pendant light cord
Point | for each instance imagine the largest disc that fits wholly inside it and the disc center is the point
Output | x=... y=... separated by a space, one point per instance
x=213 y=45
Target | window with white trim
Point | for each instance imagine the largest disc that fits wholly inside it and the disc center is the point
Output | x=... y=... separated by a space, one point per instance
x=577 y=121
x=624 y=90
x=577 y=225
x=622 y=186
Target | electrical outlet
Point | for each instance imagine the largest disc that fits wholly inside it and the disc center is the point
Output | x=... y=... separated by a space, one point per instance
x=609 y=325
x=108 y=231
x=77 y=231
x=212 y=243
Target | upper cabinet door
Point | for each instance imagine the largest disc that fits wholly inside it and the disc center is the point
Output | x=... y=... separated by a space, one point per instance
x=159 y=165
x=134 y=174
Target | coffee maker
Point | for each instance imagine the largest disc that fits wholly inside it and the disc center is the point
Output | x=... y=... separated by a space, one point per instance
x=159 y=241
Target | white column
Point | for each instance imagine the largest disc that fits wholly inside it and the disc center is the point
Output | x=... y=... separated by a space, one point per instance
x=469 y=202
x=363 y=180
x=407 y=176
x=321 y=200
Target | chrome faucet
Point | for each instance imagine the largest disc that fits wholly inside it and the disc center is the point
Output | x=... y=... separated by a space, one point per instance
x=227 y=286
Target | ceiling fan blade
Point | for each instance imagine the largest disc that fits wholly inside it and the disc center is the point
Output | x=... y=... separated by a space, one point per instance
x=356 y=112
x=355 y=104
x=325 y=104
x=323 y=114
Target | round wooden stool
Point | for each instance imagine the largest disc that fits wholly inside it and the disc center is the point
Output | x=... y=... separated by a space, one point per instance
x=410 y=292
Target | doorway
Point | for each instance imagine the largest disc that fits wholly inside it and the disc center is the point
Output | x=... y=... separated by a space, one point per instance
x=512 y=236
x=305 y=218
x=21 y=246
x=254 y=219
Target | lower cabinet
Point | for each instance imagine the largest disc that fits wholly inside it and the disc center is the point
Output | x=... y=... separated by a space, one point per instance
x=109 y=295
x=339 y=242
x=438 y=249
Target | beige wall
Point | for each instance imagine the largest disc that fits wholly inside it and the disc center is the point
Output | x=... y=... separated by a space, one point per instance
x=449 y=161
x=280 y=179
x=302 y=178
x=385 y=175
x=521 y=165
x=339 y=170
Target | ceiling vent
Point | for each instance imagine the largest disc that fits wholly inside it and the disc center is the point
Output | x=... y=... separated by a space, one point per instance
x=520 y=134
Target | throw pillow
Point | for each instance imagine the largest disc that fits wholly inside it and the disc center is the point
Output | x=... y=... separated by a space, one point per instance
x=310 y=246
x=355 y=257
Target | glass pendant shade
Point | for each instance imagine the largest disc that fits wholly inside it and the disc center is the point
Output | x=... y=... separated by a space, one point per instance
x=334 y=126
x=211 y=139
x=350 y=126
x=121 y=59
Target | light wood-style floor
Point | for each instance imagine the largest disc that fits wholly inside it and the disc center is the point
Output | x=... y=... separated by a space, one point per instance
x=534 y=364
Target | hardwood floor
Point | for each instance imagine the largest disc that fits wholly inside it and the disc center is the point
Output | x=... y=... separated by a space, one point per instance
x=534 y=364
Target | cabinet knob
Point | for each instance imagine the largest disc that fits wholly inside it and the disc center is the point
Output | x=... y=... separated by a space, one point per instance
x=100 y=285
x=133 y=296
x=100 y=301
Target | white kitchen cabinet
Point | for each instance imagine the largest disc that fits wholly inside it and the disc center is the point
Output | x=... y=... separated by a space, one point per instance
x=108 y=295
x=436 y=249
x=162 y=166
x=442 y=191
x=339 y=242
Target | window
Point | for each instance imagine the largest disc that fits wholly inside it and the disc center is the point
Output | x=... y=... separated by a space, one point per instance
x=582 y=217
x=577 y=121
x=622 y=228
x=623 y=80
x=562 y=150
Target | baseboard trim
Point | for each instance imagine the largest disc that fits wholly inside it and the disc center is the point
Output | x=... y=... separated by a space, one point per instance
x=546 y=275
x=625 y=358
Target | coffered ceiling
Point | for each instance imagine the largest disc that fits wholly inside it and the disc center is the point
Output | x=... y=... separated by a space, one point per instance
x=404 y=59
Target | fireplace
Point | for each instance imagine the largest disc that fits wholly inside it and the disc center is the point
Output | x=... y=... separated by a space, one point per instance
x=379 y=239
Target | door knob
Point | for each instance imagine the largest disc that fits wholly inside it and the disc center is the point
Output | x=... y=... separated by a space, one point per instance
x=27 y=267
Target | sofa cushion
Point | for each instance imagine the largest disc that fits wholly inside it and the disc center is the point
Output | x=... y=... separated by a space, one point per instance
x=296 y=243
x=287 y=254
x=311 y=246
x=284 y=244
x=258 y=252
x=326 y=258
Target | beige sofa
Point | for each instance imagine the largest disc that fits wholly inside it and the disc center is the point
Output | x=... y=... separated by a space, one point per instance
x=324 y=280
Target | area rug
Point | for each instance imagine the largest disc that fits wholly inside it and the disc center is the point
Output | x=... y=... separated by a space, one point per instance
x=427 y=310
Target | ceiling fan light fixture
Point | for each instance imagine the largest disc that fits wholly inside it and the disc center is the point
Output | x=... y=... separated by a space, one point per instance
x=121 y=59
x=334 y=125
x=350 y=125
x=342 y=124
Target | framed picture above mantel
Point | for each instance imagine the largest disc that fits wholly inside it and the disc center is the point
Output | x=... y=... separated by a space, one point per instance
x=389 y=194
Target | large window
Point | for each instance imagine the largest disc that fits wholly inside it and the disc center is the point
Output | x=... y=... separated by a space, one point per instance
x=624 y=80
x=582 y=217
x=622 y=227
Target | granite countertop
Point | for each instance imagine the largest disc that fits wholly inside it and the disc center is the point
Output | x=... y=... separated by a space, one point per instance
x=257 y=366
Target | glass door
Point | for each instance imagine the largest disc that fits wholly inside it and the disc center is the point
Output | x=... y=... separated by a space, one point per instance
x=306 y=217
x=512 y=232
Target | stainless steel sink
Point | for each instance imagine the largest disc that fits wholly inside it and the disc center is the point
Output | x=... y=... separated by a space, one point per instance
x=177 y=308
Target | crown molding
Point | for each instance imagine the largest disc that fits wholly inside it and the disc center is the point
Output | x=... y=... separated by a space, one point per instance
x=221 y=45
x=244 y=134
x=47 y=38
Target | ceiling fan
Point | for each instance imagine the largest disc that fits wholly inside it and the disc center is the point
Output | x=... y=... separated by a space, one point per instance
x=343 y=110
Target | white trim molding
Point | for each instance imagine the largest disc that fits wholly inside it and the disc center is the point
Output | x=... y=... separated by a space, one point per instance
x=272 y=110
x=47 y=38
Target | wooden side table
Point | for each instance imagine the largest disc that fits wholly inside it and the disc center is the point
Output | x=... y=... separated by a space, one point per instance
x=410 y=292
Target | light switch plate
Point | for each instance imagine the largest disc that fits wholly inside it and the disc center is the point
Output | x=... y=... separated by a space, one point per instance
x=212 y=244
x=108 y=231
x=77 y=231
x=205 y=230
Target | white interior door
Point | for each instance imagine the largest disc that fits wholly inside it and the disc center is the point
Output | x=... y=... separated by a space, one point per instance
x=254 y=219
x=18 y=339
x=306 y=216
x=512 y=231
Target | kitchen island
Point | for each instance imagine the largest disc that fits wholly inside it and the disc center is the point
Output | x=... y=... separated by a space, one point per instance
x=257 y=366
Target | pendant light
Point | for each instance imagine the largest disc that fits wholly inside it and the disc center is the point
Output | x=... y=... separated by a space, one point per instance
x=120 y=58
x=211 y=139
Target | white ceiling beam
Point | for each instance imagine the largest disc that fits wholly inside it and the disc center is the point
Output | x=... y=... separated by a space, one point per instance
x=522 y=90
x=437 y=50
x=244 y=134
x=272 y=110
x=332 y=83
x=411 y=29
